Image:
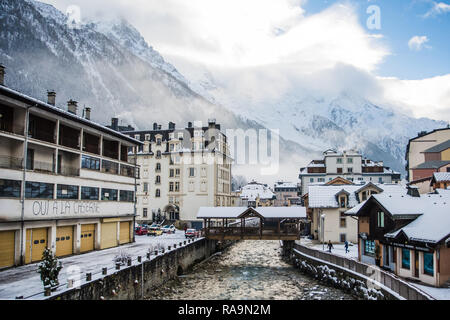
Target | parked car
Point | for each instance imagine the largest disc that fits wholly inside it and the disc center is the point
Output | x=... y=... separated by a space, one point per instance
x=191 y=233
x=154 y=231
x=141 y=231
x=169 y=229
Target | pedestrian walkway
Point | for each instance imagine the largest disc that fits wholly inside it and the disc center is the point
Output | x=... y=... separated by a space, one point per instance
x=25 y=280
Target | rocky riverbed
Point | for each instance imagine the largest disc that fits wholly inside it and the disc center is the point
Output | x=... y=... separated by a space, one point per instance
x=247 y=270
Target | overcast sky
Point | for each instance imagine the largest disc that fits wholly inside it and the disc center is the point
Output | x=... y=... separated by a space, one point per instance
x=405 y=60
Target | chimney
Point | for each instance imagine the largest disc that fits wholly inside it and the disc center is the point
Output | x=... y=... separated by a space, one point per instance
x=115 y=124
x=155 y=126
x=72 y=106
x=171 y=126
x=87 y=113
x=189 y=124
x=211 y=123
x=159 y=127
x=51 y=97
x=2 y=75
x=413 y=192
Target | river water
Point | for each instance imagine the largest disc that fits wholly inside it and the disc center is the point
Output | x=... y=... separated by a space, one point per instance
x=250 y=270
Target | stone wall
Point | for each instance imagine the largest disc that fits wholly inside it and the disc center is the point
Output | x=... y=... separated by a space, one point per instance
x=126 y=284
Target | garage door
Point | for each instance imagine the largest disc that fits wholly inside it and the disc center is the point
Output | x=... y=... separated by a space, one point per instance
x=87 y=237
x=109 y=235
x=6 y=248
x=125 y=232
x=35 y=244
x=64 y=241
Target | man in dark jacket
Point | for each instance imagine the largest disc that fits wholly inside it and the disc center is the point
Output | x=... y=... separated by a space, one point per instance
x=330 y=246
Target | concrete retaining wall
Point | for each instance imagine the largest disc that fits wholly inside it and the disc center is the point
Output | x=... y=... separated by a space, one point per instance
x=126 y=284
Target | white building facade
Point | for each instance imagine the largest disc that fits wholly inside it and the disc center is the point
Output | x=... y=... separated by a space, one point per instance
x=181 y=171
x=347 y=164
x=76 y=193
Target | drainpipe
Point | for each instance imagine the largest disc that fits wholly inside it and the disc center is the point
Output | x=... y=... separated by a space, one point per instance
x=135 y=193
x=22 y=200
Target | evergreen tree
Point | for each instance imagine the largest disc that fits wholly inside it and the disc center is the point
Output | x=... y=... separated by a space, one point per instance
x=49 y=269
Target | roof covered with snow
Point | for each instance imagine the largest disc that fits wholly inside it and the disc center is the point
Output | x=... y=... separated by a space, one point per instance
x=266 y=212
x=441 y=176
x=256 y=190
x=325 y=196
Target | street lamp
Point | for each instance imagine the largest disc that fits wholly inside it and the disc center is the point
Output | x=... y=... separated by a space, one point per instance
x=322 y=224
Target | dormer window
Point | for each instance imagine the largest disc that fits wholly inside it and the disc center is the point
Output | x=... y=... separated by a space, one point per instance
x=147 y=137
x=158 y=141
x=343 y=201
x=158 y=154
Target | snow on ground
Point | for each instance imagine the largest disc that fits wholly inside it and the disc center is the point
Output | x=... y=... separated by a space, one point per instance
x=338 y=249
x=25 y=281
x=437 y=293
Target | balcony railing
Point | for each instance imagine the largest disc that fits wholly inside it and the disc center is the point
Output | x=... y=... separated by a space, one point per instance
x=11 y=162
x=39 y=166
x=69 y=171
x=12 y=128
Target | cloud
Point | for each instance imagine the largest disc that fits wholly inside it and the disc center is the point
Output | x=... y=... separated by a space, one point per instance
x=437 y=9
x=417 y=43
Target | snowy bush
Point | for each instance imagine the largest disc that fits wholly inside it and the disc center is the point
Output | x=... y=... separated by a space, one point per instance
x=49 y=269
x=122 y=257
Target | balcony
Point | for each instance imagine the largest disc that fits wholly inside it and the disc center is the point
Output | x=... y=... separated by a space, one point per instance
x=7 y=162
x=69 y=137
x=127 y=171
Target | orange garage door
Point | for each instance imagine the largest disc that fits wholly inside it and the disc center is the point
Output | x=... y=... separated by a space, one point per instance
x=35 y=244
x=64 y=241
x=87 y=237
x=125 y=232
x=7 y=248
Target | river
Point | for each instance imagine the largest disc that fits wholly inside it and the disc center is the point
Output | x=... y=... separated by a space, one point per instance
x=252 y=270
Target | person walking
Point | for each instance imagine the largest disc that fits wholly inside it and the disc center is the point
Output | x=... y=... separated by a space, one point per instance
x=330 y=246
x=346 y=246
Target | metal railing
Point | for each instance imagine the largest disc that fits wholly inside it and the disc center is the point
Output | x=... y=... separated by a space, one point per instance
x=389 y=280
x=7 y=162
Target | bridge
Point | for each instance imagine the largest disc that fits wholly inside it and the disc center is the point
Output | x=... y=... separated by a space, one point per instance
x=261 y=223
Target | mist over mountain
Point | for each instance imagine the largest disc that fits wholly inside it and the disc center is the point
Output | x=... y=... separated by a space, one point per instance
x=109 y=66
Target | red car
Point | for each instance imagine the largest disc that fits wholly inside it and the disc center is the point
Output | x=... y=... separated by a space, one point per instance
x=191 y=233
x=141 y=231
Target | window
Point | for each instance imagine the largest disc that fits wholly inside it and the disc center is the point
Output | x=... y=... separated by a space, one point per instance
x=177 y=172
x=321 y=179
x=158 y=154
x=145 y=187
x=171 y=147
x=158 y=141
x=428 y=263
x=343 y=237
x=90 y=163
x=339 y=170
x=171 y=173
x=380 y=217
x=158 y=180
x=311 y=180
x=171 y=185
x=144 y=212
x=147 y=137
x=110 y=167
x=89 y=193
x=30 y=159
x=406 y=259
x=157 y=193
x=158 y=167
x=109 y=194
x=380 y=180
x=126 y=196
x=343 y=221
x=364 y=196
x=191 y=172
x=339 y=160
x=177 y=186
x=349 y=160
x=343 y=201
x=369 y=247
x=350 y=170
x=10 y=188
x=39 y=190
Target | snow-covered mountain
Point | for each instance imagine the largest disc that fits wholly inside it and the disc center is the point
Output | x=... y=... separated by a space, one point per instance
x=111 y=68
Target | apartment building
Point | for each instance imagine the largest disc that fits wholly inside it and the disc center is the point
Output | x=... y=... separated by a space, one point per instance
x=287 y=194
x=65 y=181
x=428 y=151
x=350 y=165
x=182 y=170
x=257 y=194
